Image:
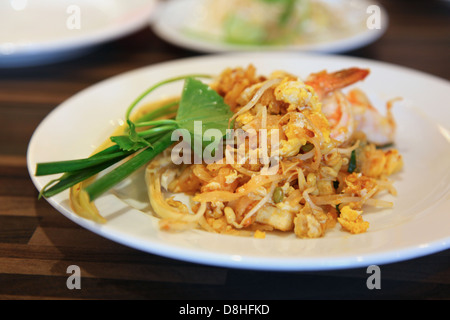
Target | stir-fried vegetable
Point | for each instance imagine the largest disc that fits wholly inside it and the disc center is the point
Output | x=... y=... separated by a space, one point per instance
x=198 y=102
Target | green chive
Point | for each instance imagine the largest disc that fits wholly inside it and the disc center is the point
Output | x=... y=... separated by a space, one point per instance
x=156 y=123
x=156 y=86
x=48 y=168
x=163 y=111
x=109 y=180
x=70 y=179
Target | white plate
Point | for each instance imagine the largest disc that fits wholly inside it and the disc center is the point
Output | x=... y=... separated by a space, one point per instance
x=417 y=225
x=42 y=31
x=176 y=17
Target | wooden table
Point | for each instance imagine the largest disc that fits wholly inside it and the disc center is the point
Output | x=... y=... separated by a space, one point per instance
x=37 y=244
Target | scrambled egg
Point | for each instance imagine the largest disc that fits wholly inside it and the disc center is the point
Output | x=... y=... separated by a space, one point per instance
x=299 y=95
x=295 y=135
x=352 y=221
x=303 y=118
x=245 y=118
x=306 y=116
x=307 y=226
x=259 y=234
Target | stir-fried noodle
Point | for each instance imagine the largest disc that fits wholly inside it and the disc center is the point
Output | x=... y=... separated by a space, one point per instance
x=329 y=162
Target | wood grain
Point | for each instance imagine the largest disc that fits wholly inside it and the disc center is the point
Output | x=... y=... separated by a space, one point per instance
x=37 y=244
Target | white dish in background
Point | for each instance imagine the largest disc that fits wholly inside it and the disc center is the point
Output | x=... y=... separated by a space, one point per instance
x=44 y=31
x=417 y=225
x=175 y=20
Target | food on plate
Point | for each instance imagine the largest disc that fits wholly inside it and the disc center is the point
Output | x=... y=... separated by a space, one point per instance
x=247 y=154
x=270 y=22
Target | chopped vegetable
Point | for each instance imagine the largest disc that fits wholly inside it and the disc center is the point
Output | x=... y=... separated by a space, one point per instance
x=113 y=177
x=336 y=184
x=352 y=163
x=385 y=146
x=278 y=195
x=338 y=209
x=307 y=147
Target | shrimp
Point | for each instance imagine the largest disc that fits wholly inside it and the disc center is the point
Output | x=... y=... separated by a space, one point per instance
x=338 y=111
x=378 y=129
x=335 y=105
x=325 y=83
x=352 y=112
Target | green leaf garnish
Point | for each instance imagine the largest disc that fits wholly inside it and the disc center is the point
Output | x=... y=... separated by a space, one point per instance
x=201 y=103
x=132 y=141
x=198 y=103
x=115 y=176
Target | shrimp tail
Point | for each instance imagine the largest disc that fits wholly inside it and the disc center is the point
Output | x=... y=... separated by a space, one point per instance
x=324 y=82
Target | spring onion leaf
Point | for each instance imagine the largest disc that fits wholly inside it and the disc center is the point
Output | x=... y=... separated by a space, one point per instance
x=109 y=180
x=74 y=165
x=69 y=179
x=157 y=131
x=47 y=168
x=156 y=123
x=169 y=108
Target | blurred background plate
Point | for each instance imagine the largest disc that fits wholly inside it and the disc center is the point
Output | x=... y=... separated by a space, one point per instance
x=324 y=26
x=44 y=31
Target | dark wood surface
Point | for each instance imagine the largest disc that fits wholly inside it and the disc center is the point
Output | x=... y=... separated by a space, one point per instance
x=37 y=244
